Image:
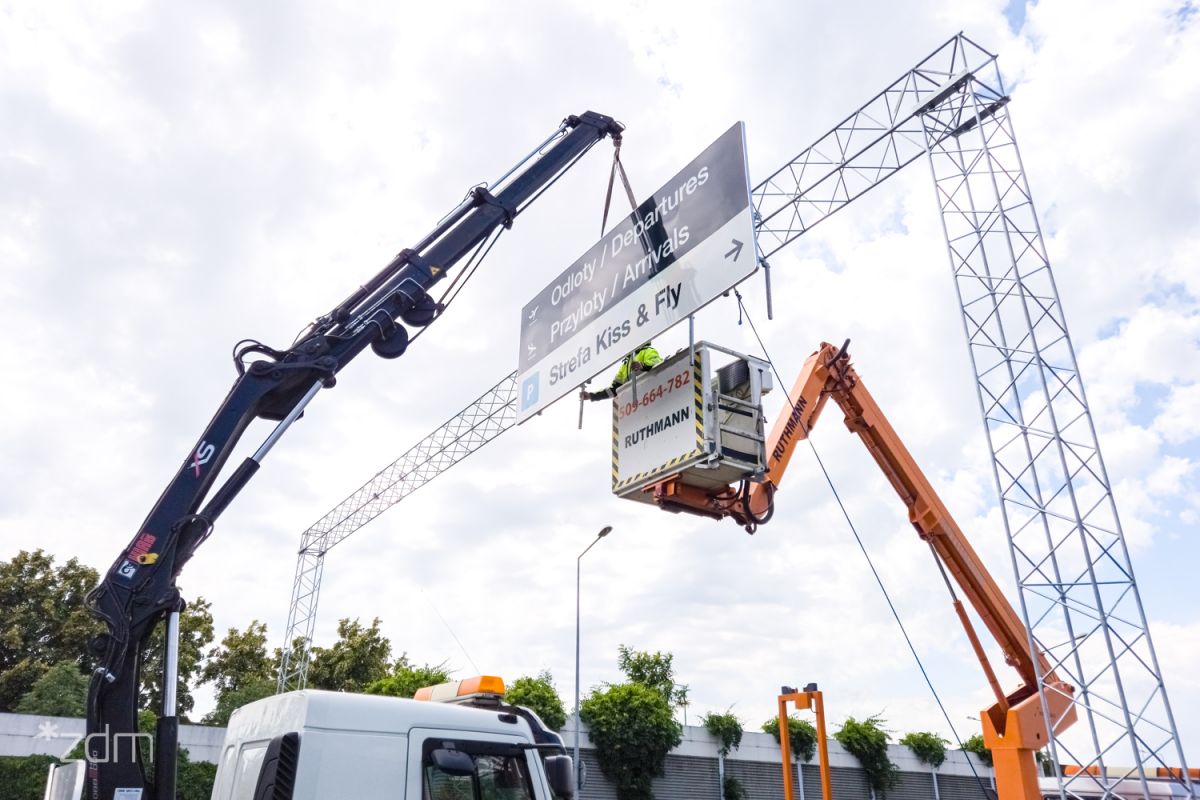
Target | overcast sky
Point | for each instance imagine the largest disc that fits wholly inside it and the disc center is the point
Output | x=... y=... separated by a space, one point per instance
x=175 y=178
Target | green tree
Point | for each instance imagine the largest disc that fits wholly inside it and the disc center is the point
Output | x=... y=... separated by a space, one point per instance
x=538 y=693
x=60 y=692
x=802 y=736
x=867 y=740
x=241 y=671
x=230 y=700
x=633 y=728
x=195 y=635
x=928 y=747
x=16 y=682
x=240 y=658
x=405 y=678
x=361 y=655
x=654 y=670
x=975 y=745
x=44 y=620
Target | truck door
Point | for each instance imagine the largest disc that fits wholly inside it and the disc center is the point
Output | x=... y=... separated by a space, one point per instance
x=495 y=767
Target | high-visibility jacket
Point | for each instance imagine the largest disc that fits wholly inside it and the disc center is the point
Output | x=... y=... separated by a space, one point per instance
x=648 y=357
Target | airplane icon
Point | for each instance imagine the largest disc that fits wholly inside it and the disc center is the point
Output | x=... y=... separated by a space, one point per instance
x=533 y=314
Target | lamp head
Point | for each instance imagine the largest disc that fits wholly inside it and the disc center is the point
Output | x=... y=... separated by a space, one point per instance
x=605 y=531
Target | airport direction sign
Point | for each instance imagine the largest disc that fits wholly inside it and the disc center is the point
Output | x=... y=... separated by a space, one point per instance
x=687 y=244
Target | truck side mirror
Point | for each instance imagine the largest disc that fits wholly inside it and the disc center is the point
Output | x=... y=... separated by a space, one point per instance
x=453 y=762
x=560 y=770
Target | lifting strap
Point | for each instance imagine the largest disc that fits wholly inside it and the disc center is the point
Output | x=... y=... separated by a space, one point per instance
x=617 y=166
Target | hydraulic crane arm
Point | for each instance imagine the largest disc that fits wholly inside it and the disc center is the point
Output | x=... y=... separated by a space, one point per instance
x=139 y=590
x=1015 y=726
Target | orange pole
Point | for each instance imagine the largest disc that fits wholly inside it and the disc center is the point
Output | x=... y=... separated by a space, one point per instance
x=785 y=744
x=813 y=701
x=822 y=746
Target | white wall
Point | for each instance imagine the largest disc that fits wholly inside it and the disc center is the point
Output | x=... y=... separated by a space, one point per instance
x=30 y=734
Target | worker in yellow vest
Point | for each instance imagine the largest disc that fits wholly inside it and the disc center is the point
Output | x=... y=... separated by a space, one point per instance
x=643 y=358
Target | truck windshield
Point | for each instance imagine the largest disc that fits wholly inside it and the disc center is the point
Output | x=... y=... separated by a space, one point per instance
x=497 y=776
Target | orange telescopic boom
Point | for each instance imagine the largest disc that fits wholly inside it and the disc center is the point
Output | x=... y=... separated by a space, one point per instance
x=1016 y=726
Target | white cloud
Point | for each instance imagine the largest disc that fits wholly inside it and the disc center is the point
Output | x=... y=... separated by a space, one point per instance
x=174 y=179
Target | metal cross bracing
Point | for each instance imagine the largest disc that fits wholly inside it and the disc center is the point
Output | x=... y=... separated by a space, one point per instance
x=479 y=423
x=860 y=152
x=1075 y=582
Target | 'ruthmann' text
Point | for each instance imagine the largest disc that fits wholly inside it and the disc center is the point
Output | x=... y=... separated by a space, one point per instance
x=658 y=426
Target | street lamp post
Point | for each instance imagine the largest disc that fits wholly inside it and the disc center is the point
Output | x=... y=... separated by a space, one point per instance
x=607 y=529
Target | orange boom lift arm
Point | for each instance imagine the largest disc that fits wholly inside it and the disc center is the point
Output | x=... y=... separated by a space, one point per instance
x=1015 y=727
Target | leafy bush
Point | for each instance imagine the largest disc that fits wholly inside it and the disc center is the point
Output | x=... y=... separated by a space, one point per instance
x=727 y=729
x=405 y=679
x=733 y=789
x=195 y=779
x=802 y=736
x=538 y=694
x=929 y=747
x=633 y=728
x=867 y=741
x=24 y=777
x=975 y=745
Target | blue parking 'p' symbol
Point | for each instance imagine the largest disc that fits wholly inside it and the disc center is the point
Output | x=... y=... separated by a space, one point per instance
x=529 y=391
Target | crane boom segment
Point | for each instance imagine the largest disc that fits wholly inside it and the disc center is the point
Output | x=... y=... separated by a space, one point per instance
x=139 y=592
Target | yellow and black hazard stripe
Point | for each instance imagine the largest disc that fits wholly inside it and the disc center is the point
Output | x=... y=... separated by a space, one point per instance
x=614 y=445
x=650 y=473
x=674 y=462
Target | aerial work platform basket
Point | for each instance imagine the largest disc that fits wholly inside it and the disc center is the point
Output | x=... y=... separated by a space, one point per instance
x=696 y=417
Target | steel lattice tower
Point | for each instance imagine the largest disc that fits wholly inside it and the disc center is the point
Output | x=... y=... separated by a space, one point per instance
x=1076 y=587
x=1075 y=579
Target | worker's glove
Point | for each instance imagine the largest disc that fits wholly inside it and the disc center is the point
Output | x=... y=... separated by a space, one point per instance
x=603 y=394
x=637 y=366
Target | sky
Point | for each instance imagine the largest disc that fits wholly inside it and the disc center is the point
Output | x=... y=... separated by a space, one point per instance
x=174 y=179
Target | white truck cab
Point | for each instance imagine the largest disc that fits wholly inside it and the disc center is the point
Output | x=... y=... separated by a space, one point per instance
x=469 y=746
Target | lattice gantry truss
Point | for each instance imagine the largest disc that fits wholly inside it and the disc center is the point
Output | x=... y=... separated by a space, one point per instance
x=490 y=415
x=1075 y=582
